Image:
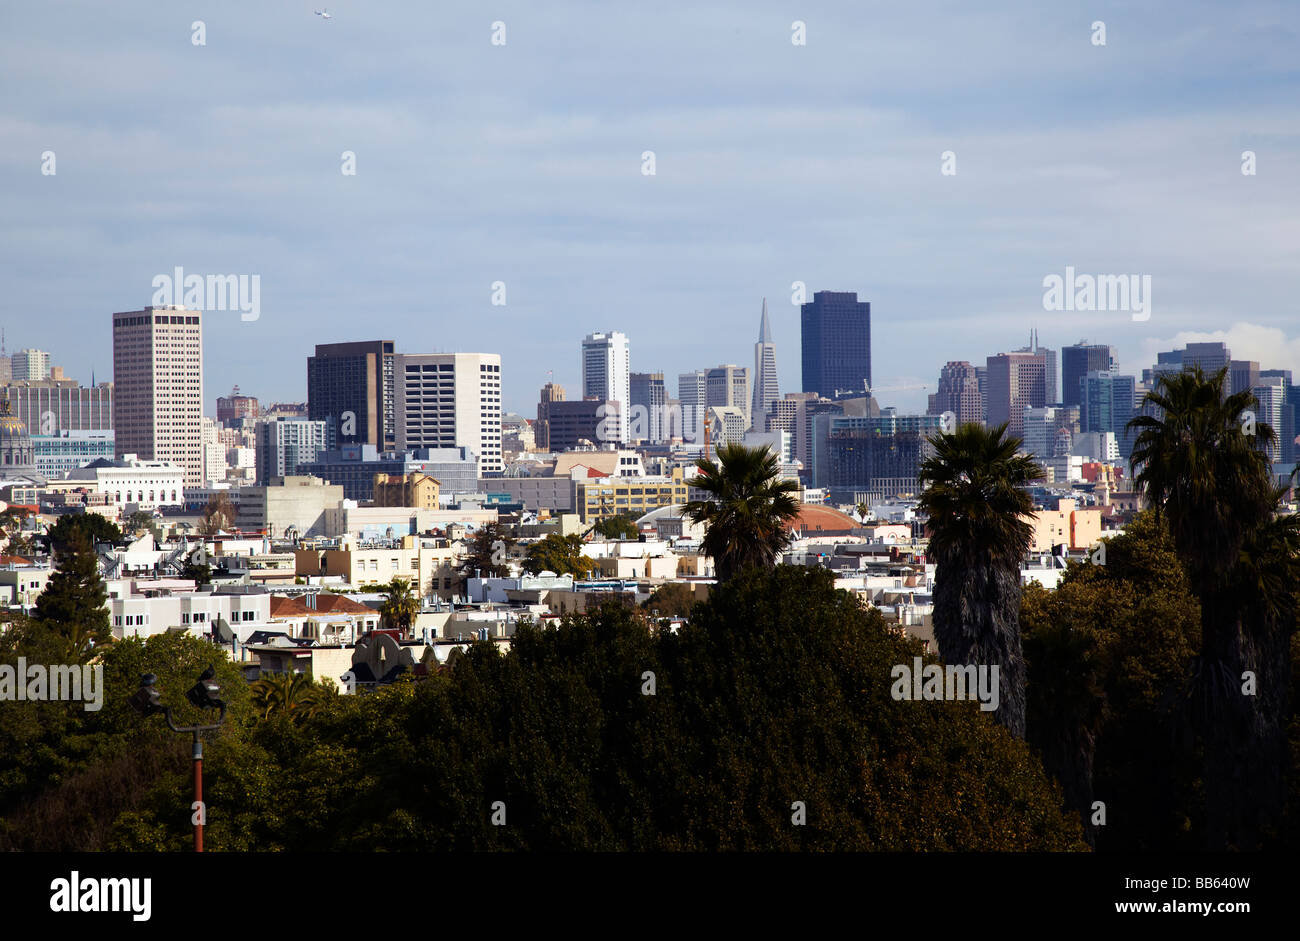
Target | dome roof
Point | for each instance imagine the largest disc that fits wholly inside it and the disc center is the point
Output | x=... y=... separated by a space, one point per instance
x=815 y=519
x=17 y=456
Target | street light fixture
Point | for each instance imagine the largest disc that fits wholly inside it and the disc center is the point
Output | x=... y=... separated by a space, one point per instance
x=148 y=701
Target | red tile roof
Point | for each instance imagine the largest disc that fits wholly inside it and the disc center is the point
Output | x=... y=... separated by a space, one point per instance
x=284 y=606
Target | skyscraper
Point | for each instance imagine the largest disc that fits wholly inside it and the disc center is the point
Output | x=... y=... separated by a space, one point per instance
x=728 y=387
x=1048 y=356
x=551 y=393
x=606 y=373
x=450 y=400
x=158 y=387
x=1109 y=403
x=1076 y=362
x=1015 y=381
x=959 y=393
x=766 y=387
x=647 y=391
x=836 y=340
x=350 y=387
x=1243 y=375
x=283 y=444
x=1271 y=396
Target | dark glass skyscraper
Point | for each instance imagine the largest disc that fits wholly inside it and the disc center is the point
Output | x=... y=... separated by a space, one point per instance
x=1076 y=362
x=836 y=335
x=350 y=387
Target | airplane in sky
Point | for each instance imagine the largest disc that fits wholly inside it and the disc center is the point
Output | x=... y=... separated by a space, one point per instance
x=323 y=14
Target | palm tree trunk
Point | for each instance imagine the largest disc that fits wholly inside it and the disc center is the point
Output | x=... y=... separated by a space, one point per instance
x=1244 y=735
x=977 y=621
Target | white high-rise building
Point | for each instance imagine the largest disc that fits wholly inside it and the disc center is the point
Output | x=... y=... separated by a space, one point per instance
x=32 y=365
x=451 y=400
x=766 y=387
x=606 y=374
x=158 y=387
x=1271 y=394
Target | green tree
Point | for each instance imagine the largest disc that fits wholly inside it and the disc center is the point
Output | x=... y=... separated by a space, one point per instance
x=294 y=695
x=864 y=510
x=487 y=552
x=93 y=527
x=977 y=505
x=746 y=512
x=674 y=599
x=621 y=526
x=399 y=608
x=1201 y=464
x=74 y=602
x=559 y=554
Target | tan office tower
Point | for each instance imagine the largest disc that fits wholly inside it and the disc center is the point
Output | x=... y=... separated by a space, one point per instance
x=158 y=387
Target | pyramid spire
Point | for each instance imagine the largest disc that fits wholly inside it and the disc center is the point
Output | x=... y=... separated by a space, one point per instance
x=765 y=327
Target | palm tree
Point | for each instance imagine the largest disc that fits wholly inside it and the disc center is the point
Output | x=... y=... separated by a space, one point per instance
x=976 y=499
x=292 y=694
x=399 y=608
x=864 y=510
x=747 y=510
x=1210 y=480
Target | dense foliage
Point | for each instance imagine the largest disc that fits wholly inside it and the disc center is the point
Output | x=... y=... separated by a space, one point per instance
x=771 y=707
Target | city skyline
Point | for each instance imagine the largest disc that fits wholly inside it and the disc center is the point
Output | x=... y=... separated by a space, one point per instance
x=463 y=183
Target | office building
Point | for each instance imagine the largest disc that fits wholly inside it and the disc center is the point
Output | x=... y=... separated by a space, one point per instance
x=158 y=387
x=65 y=451
x=880 y=456
x=649 y=398
x=1243 y=375
x=577 y=424
x=351 y=387
x=451 y=400
x=1016 y=381
x=355 y=466
x=32 y=365
x=1079 y=360
x=551 y=393
x=959 y=393
x=606 y=374
x=52 y=406
x=284 y=444
x=728 y=387
x=836 y=344
x=1109 y=403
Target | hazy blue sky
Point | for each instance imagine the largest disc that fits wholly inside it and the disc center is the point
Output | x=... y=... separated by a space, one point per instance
x=775 y=163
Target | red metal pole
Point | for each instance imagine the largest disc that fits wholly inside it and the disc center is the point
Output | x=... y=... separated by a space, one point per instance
x=198 y=794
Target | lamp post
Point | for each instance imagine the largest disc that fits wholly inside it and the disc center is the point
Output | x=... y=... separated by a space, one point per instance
x=148 y=701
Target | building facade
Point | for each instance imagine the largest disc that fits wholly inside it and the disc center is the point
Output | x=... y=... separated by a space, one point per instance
x=351 y=387
x=836 y=341
x=451 y=400
x=158 y=387
x=606 y=374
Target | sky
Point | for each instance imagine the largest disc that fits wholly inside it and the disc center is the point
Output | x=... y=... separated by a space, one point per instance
x=774 y=163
